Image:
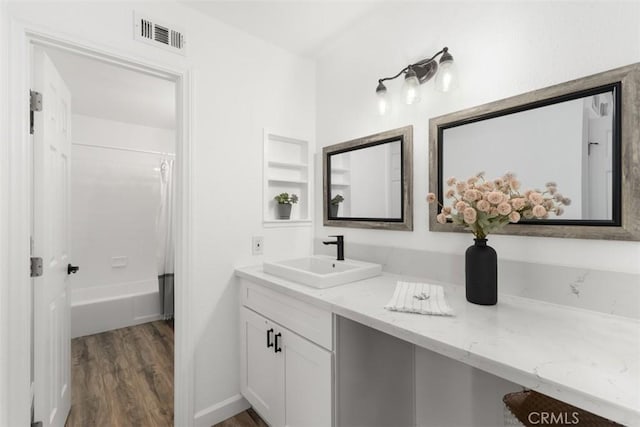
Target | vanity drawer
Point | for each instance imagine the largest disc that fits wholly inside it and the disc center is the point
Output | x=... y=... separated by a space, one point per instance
x=306 y=320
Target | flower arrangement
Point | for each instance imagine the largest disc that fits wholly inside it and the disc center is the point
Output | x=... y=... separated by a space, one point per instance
x=485 y=206
x=286 y=199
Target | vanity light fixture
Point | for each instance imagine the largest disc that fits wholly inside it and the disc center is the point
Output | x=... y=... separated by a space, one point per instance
x=417 y=74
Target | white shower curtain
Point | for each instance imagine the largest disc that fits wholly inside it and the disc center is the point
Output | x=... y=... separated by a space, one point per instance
x=165 y=254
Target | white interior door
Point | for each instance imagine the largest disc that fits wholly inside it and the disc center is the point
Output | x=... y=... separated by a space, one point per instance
x=51 y=154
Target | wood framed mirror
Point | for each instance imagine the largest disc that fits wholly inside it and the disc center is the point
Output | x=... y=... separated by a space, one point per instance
x=583 y=134
x=368 y=182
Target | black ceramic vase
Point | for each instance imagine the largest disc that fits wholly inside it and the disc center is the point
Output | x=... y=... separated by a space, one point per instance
x=481 y=273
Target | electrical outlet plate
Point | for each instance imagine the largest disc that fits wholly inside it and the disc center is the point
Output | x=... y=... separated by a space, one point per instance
x=257 y=245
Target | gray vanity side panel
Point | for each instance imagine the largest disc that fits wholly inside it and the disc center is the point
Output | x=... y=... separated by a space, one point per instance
x=452 y=394
x=374 y=377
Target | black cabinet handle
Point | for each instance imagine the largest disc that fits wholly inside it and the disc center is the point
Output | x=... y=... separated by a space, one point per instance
x=72 y=269
x=278 y=349
x=269 y=342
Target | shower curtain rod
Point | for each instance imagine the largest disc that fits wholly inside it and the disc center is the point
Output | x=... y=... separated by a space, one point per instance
x=124 y=149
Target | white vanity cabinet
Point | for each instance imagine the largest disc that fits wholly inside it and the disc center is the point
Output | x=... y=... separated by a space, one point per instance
x=286 y=350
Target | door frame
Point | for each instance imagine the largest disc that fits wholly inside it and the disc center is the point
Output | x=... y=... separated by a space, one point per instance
x=15 y=292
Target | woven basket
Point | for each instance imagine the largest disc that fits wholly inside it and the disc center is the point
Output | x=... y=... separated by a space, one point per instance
x=533 y=409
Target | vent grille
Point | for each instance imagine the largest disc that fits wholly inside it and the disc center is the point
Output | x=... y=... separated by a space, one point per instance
x=146 y=29
x=160 y=35
x=177 y=40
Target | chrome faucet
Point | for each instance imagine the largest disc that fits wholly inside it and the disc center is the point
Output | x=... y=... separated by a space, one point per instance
x=339 y=242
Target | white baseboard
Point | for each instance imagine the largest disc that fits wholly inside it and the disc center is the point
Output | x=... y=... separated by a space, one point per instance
x=221 y=411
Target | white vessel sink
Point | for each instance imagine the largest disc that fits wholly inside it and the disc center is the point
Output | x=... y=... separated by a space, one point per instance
x=320 y=271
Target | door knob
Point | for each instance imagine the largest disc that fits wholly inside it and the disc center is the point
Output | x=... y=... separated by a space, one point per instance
x=72 y=269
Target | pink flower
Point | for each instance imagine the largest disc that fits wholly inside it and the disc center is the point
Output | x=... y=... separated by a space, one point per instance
x=493 y=212
x=431 y=198
x=499 y=182
x=566 y=201
x=471 y=195
x=483 y=206
x=450 y=193
x=504 y=208
x=472 y=180
x=451 y=181
x=446 y=210
x=487 y=186
x=536 y=198
x=539 y=211
x=559 y=211
x=514 y=216
x=495 y=197
x=514 y=184
x=461 y=187
x=518 y=203
x=470 y=215
x=527 y=214
x=461 y=206
x=441 y=218
x=552 y=190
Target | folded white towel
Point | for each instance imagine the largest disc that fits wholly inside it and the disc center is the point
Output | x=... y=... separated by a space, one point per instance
x=420 y=298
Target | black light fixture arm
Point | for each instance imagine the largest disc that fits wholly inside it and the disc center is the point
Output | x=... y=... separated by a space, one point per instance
x=425 y=75
x=404 y=70
x=426 y=61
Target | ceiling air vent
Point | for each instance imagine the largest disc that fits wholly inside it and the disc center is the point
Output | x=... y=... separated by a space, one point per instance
x=159 y=34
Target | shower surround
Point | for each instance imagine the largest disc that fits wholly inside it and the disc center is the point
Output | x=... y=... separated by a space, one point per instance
x=121 y=215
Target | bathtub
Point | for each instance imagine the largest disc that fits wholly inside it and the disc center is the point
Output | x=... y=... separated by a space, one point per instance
x=100 y=309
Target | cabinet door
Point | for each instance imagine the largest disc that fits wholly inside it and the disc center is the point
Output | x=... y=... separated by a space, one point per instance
x=308 y=377
x=261 y=372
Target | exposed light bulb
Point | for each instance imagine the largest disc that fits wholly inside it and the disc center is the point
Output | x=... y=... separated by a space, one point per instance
x=384 y=104
x=411 y=88
x=447 y=77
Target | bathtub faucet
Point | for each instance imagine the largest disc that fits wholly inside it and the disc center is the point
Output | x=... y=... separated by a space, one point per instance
x=339 y=242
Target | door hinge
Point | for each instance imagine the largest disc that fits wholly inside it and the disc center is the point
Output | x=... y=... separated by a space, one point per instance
x=35 y=104
x=36 y=266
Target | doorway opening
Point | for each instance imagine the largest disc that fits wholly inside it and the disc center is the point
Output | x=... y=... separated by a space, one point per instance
x=104 y=147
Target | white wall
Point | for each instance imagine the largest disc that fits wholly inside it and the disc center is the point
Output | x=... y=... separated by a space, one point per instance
x=115 y=199
x=501 y=49
x=111 y=133
x=4 y=220
x=232 y=104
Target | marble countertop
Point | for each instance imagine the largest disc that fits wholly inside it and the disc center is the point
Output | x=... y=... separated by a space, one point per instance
x=585 y=358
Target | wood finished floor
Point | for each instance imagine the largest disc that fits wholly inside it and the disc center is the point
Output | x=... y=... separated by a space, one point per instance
x=248 y=418
x=123 y=377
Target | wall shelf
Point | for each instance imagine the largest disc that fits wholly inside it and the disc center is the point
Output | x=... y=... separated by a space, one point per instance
x=288 y=181
x=275 y=164
x=287 y=169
